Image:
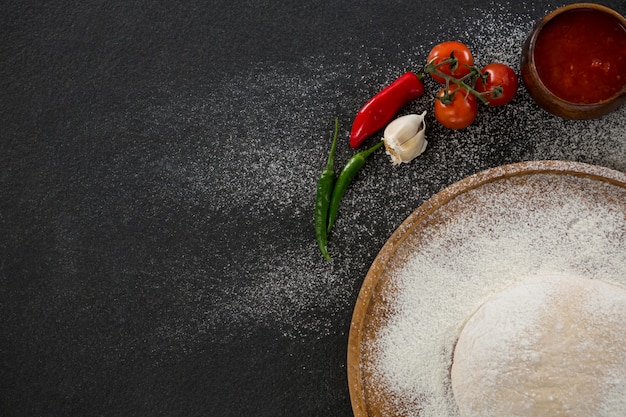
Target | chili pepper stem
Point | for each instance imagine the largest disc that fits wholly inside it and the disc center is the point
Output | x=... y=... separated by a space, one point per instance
x=366 y=153
x=331 y=156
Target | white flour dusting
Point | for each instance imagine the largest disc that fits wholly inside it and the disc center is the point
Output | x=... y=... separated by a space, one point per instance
x=256 y=174
x=276 y=294
x=491 y=237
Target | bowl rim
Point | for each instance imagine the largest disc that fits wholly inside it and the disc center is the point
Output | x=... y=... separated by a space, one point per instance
x=531 y=53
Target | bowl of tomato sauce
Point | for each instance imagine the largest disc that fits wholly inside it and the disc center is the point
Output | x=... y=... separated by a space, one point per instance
x=573 y=62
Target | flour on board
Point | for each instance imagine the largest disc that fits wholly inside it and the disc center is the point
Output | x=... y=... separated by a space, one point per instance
x=492 y=237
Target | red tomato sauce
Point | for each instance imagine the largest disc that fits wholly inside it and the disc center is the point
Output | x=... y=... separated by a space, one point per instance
x=580 y=56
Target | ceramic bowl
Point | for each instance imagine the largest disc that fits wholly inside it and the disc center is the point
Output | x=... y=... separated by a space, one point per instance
x=546 y=78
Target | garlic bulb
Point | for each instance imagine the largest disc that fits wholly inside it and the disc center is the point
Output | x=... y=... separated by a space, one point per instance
x=405 y=138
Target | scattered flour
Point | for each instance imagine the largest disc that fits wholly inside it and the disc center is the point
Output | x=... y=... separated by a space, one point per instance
x=290 y=147
x=261 y=136
x=486 y=240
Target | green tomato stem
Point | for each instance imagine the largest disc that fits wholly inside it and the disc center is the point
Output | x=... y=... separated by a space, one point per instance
x=474 y=73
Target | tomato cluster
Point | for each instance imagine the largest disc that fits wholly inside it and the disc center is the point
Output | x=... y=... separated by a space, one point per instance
x=456 y=105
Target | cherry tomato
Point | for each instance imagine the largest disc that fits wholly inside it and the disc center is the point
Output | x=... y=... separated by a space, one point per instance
x=443 y=51
x=458 y=114
x=498 y=75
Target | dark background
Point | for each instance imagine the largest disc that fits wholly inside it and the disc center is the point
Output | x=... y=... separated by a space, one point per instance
x=158 y=162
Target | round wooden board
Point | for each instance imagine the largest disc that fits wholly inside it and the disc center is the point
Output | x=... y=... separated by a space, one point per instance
x=369 y=316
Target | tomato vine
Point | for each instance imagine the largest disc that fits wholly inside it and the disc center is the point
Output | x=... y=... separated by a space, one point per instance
x=452 y=64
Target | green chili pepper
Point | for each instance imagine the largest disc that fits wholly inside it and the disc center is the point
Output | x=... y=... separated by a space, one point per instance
x=349 y=171
x=322 y=200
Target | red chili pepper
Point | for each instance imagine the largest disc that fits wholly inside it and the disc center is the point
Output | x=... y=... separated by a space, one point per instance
x=381 y=108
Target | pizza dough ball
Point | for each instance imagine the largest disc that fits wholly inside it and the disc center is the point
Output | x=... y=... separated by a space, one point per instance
x=545 y=347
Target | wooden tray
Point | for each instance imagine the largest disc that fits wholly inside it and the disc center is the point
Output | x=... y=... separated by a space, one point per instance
x=370 y=398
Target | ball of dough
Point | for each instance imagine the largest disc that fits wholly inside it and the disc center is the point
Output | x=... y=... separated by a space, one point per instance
x=545 y=347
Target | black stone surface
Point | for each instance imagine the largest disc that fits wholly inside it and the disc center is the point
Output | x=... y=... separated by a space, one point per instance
x=158 y=162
